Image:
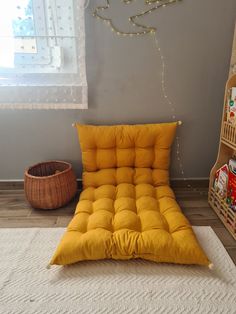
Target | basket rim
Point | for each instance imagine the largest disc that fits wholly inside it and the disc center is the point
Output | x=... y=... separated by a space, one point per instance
x=52 y=175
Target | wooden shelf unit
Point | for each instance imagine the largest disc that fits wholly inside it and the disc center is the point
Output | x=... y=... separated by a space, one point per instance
x=227 y=150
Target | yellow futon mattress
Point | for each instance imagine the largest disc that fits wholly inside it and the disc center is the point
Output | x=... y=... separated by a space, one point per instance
x=127 y=209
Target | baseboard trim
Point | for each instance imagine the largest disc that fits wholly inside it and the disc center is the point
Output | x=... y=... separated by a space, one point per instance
x=11 y=184
x=175 y=183
x=190 y=183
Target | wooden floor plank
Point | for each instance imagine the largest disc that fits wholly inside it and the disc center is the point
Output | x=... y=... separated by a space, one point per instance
x=63 y=221
x=232 y=254
x=206 y=222
x=199 y=213
x=225 y=236
x=11 y=192
x=198 y=203
x=64 y=211
x=21 y=222
x=68 y=211
x=14 y=212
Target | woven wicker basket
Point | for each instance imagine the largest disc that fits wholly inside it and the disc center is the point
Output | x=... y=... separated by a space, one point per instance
x=50 y=185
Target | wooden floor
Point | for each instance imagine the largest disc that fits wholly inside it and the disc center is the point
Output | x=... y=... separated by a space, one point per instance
x=16 y=213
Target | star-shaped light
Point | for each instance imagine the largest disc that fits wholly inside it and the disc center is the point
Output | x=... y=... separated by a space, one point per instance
x=137 y=28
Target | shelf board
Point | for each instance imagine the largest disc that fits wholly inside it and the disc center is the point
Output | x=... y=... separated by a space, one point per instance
x=230 y=145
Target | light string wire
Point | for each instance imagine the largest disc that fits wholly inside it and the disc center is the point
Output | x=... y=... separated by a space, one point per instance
x=153 y=31
x=173 y=111
x=86 y=4
x=170 y=104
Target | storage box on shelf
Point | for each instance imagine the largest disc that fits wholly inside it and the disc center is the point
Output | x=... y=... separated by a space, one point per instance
x=227 y=149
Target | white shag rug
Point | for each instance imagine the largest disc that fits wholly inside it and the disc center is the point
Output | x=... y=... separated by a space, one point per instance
x=136 y=286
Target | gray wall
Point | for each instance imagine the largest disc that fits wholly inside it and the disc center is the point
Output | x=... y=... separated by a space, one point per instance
x=124 y=87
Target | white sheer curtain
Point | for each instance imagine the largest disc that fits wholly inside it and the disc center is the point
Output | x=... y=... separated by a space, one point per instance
x=42 y=54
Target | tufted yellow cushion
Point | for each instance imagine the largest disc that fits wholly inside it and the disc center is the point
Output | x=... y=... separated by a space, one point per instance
x=127 y=209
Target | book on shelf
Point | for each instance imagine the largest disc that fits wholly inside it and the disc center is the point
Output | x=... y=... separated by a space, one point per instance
x=225 y=183
x=221 y=181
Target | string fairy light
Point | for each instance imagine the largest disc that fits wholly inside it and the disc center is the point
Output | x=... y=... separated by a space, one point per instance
x=144 y=30
x=86 y=4
x=171 y=106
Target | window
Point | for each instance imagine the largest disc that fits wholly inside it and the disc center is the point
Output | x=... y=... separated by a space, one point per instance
x=42 y=54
